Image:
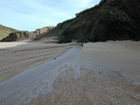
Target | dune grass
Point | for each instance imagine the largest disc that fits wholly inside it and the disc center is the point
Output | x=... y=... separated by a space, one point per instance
x=4 y=31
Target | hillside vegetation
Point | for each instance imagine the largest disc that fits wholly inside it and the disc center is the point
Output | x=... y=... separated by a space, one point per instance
x=5 y=31
x=108 y=20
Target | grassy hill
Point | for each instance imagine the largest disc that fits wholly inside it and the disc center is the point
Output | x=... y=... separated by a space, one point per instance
x=4 y=31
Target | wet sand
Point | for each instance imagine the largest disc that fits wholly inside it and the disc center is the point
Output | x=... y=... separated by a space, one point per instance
x=75 y=78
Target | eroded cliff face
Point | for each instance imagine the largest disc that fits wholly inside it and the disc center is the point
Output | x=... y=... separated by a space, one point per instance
x=25 y=35
x=109 y=20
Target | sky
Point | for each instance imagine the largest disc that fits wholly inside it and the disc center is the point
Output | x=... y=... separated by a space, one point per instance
x=29 y=15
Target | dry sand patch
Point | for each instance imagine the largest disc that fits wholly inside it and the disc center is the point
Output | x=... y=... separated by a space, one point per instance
x=16 y=57
x=122 y=57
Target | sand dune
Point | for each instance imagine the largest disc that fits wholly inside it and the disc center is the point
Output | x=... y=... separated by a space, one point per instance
x=88 y=75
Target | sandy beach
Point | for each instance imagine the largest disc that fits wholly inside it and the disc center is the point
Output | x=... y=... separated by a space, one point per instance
x=103 y=73
x=16 y=57
x=121 y=57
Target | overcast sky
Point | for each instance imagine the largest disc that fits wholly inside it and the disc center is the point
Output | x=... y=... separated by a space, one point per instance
x=32 y=14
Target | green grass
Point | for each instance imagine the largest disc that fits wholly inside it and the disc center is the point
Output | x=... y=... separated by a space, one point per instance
x=5 y=31
x=2 y=37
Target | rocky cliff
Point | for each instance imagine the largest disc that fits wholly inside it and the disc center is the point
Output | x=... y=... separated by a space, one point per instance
x=109 y=20
x=25 y=35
